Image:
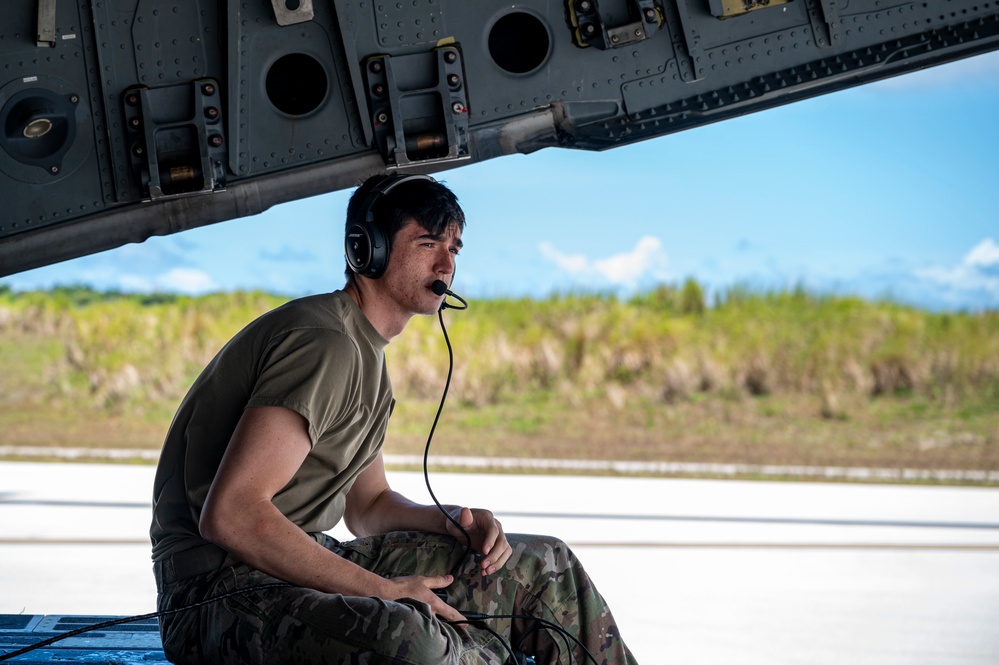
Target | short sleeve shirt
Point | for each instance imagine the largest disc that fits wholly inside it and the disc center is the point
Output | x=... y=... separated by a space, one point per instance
x=318 y=356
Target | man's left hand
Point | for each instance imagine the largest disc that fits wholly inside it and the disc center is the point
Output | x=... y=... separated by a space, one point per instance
x=487 y=537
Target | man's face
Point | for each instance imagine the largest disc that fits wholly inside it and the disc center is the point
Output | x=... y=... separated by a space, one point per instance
x=418 y=259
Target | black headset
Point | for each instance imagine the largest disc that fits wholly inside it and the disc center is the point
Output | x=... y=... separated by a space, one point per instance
x=365 y=244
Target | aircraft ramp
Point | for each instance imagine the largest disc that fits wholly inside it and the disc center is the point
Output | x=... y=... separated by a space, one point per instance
x=124 y=644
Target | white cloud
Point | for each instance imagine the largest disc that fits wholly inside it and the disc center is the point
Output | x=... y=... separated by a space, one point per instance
x=185 y=280
x=572 y=264
x=978 y=271
x=985 y=254
x=626 y=269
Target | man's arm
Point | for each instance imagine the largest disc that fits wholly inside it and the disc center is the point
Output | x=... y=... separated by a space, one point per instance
x=266 y=449
x=373 y=508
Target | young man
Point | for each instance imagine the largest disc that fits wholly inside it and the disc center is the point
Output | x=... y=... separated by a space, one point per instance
x=280 y=437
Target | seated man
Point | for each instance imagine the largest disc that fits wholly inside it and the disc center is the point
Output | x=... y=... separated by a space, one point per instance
x=280 y=437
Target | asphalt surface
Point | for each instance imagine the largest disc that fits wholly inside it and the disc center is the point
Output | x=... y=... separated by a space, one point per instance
x=696 y=571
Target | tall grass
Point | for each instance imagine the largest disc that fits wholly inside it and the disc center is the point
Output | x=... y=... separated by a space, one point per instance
x=119 y=348
x=664 y=346
x=658 y=347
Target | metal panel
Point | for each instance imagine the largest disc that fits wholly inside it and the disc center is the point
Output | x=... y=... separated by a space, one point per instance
x=290 y=101
x=56 y=175
x=149 y=43
x=409 y=23
x=298 y=112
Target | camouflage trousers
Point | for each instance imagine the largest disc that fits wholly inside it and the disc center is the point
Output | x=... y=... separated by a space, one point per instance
x=284 y=624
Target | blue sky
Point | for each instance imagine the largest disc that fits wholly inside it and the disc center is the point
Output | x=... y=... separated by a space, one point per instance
x=885 y=190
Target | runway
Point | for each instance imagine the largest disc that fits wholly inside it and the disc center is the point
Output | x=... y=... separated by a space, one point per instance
x=695 y=571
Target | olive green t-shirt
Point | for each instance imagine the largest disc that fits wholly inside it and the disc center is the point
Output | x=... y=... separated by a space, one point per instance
x=318 y=356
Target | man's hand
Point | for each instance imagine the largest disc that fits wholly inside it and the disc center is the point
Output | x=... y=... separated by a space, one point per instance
x=487 y=536
x=421 y=589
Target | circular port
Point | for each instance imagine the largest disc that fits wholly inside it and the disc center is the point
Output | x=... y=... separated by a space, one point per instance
x=519 y=42
x=37 y=126
x=296 y=84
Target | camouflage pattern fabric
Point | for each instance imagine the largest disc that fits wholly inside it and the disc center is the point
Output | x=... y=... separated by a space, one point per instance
x=288 y=624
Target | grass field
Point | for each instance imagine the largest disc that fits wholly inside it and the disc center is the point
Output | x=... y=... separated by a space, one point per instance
x=775 y=378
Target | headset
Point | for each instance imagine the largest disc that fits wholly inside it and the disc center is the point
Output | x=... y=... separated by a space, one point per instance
x=366 y=245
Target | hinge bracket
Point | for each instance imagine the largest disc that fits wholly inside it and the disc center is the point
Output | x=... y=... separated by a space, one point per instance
x=590 y=28
x=176 y=138
x=419 y=106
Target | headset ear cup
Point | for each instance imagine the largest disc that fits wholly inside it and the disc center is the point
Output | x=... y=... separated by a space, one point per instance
x=379 y=252
x=367 y=250
x=357 y=248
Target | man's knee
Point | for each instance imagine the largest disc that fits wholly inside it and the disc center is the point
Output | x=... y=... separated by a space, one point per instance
x=540 y=555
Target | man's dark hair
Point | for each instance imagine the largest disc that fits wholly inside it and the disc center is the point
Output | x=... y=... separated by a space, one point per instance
x=430 y=203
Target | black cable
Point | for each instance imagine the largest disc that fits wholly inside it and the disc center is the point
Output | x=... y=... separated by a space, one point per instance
x=138 y=617
x=558 y=655
x=426 y=451
x=473 y=616
x=478 y=624
x=477 y=617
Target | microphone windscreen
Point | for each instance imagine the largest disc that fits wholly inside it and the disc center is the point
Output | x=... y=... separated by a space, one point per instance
x=438 y=287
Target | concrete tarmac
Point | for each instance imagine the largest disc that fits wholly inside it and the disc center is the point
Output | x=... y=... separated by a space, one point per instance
x=696 y=571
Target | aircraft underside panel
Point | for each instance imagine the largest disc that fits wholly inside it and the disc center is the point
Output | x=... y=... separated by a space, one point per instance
x=122 y=119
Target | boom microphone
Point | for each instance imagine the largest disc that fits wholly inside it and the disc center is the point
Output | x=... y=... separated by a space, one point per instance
x=440 y=288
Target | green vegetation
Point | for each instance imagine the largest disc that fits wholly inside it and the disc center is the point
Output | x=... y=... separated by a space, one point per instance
x=782 y=378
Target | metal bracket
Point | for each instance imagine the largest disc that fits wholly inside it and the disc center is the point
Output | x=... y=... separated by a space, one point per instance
x=419 y=106
x=591 y=29
x=46 y=23
x=290 y=12
x=176 y=139
x=824 y=16
x=690 y=32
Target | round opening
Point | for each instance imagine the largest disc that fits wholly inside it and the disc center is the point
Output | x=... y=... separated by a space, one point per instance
x=519 y=42
x=36 y=125
x=292 y=5
x=37 y=128
x=296 y=84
